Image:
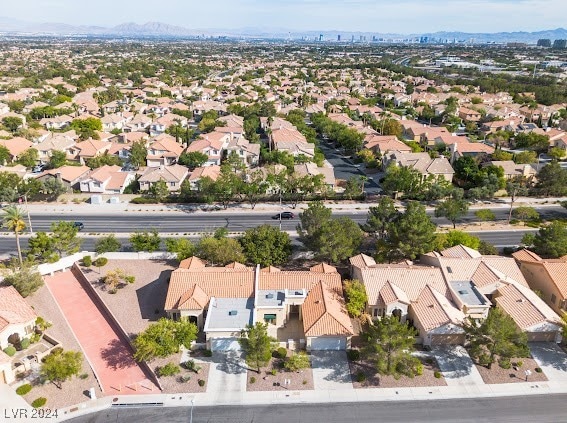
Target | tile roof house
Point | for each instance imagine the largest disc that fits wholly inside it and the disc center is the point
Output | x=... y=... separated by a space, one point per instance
x=107 y=180
x=16 y=146
x=17 y=321
x=70 y=176
x=548 y=276
x=447 y=287
x=88 y=149
x=304 y=307
x=198 y=173
x=212 y=144
x=513 y=170
x=382 y=144
x=173 y=175
x=164 y=151
x=422 y=162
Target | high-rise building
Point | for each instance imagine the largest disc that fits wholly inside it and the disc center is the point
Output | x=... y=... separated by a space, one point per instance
x=339 y=38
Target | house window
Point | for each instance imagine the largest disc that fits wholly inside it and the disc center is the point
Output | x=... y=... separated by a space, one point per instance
x=270 y=318
x=553 y=298
x=377 y=312
x=172 y=184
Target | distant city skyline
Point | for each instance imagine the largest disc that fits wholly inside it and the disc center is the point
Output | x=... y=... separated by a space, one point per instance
x=379 y=16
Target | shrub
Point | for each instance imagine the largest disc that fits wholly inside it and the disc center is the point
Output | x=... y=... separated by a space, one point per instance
x=130 y=278
x=23 y=389
x=282 y=352
x=304 y=382
x=419 y=369
x=252 y=380
x=353 y=355
x=101 y=261
x=207 y=353
x=273 y=372
x=10 y=350
x=35 y=338
x=84 y=376
x=538 y=370
x=201 y=382
x=504 y=363
x=184 y=378
x=437 y=375
x=143 y=200
x=170 y=369
x=360 y=377
x=25 y=343
x=87 y=261
x=39 y=402
x=191 y=365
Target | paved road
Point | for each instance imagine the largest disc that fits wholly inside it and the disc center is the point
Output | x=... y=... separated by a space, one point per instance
x=540 y=408
x=193 y=222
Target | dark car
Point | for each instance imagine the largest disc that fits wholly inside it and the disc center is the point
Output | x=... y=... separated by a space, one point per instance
x=284 y=215
x=79 y=225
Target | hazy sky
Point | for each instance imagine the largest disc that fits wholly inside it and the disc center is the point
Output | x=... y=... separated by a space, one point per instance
x=400 y=16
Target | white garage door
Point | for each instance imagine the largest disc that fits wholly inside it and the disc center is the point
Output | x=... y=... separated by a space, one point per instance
x=328 y=343
x=225 y=344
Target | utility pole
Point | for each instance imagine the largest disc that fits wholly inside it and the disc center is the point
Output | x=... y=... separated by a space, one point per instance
x=28 y=211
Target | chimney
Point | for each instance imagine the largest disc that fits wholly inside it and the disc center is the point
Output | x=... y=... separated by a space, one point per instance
x=58 y=176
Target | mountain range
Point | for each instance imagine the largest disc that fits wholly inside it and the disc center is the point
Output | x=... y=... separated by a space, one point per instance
x=10 y=26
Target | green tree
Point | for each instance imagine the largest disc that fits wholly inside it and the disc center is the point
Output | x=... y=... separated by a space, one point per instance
x=338 y=239
x=60 y=366
x=107 y=244
x=389 y=344
x=5 y=155
x=13 y=220
x=57 y=159
x=86 y=128
x=25 y=280
x=28 y=158
x=550 y=241
x=256 y=345
x=487 y=249
x=182 y=247
x=104 y=160
x=380 y=216
x=255 y=188
x=496 y=336
x=40 y=248
x=485 y=215
x=402 y=179
x=296 y=362
x=145 y=241
x=552 y=180
x=525 y=157
x=453 y=208
x=193 y=159
x=159 y=190
x=356 y=298
x=164 y=338
x=266 y=245
x=138 y=154
x=409 y=236
x=312 y=220
x=525 y=213
x=53 y=188
x=64 y=238
x=515 y=188
x=12 y=123
x=220 y=251
x=453 y=238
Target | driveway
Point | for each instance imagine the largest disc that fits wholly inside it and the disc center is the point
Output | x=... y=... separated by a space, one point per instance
x=552 y=360
x=330 y=370
x=456 y=365
x=227 y=376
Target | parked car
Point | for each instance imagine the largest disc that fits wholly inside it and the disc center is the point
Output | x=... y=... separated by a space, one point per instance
x=79 y=225
x=284 y=215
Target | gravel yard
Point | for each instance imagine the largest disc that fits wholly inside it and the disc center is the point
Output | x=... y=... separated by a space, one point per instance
x=137 y=304
x=75 y=390
x=514 y=374
x=374 y=380
x=265 y=381
x=177 y=384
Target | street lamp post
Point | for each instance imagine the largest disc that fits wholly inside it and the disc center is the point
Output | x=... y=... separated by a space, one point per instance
x=25 y=196
x=192 y=405
x=280 y=210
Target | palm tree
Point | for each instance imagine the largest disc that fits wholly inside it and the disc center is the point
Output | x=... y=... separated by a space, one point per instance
x=14 y=221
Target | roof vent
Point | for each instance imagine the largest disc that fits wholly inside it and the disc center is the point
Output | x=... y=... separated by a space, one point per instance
x=232 y=312
x=463 y=292
x=449 y=270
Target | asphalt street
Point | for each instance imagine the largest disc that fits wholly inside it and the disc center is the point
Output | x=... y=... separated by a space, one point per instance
x=535 y=408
